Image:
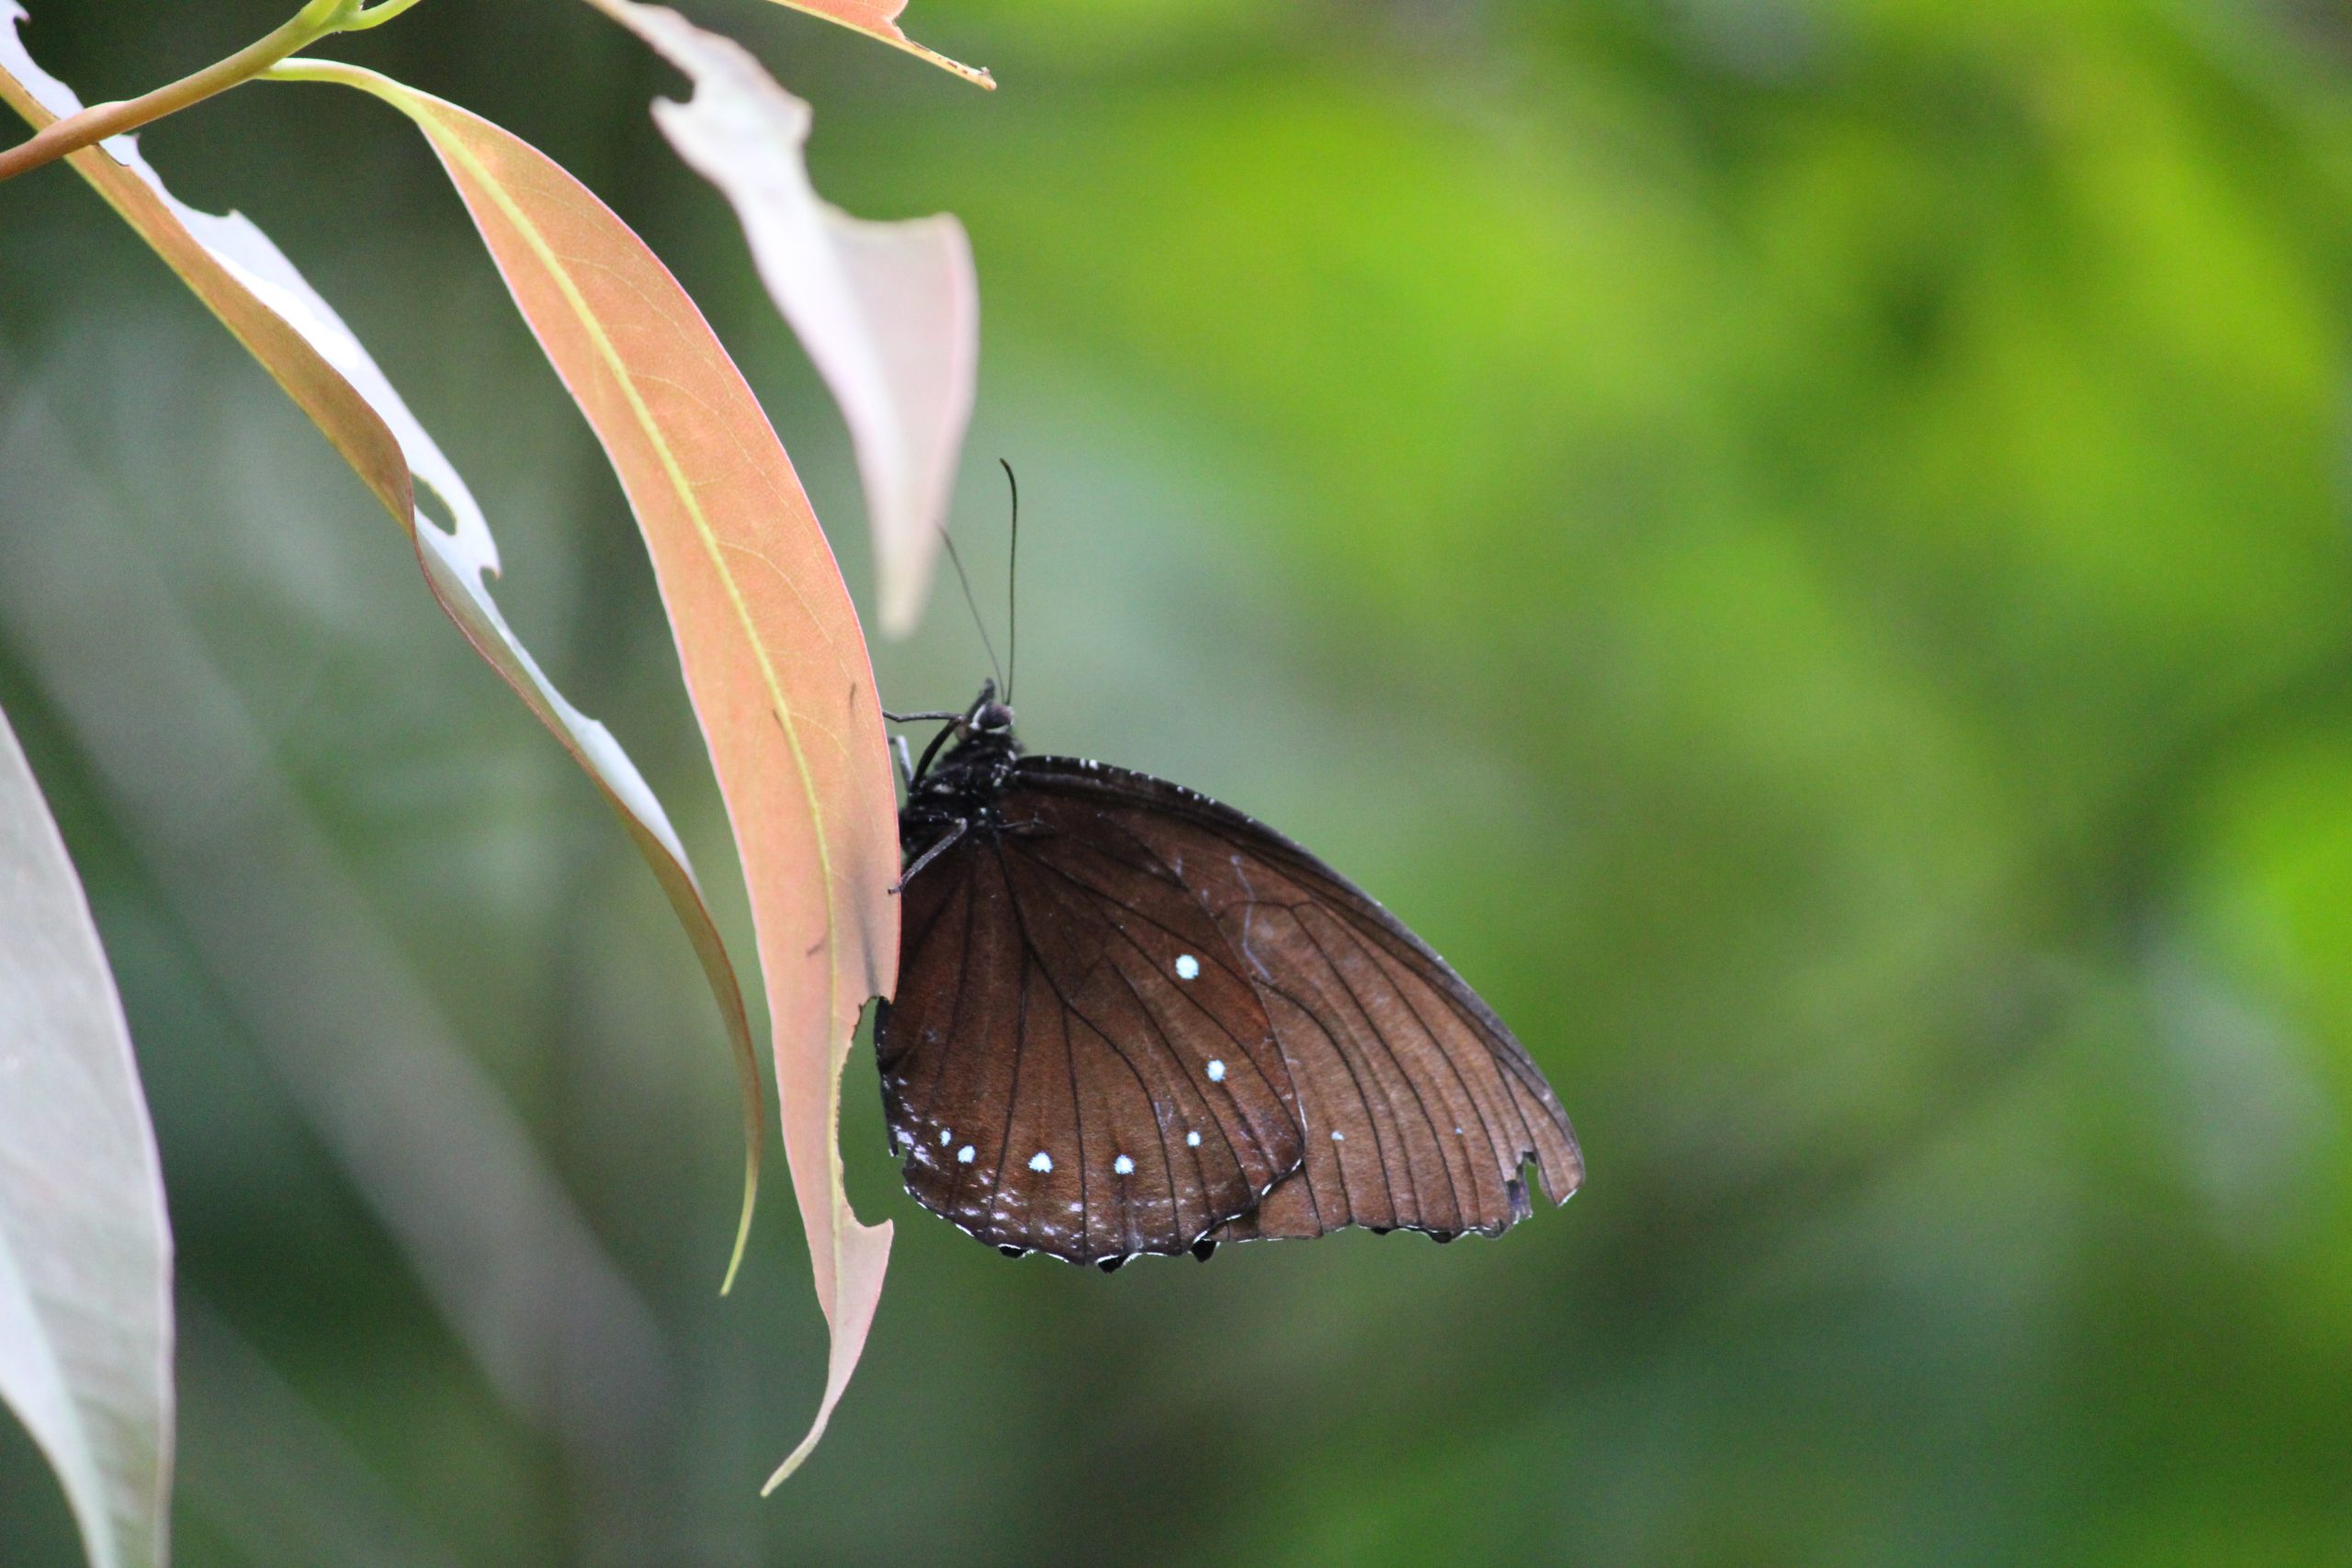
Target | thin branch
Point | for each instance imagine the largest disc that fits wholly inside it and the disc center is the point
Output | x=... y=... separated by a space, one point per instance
x=94 y=124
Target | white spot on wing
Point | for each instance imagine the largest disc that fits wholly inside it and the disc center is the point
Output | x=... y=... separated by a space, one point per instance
x=1041 y=1162
x=1191 y=1140
x=1124 y=1165
x=906 y=1139
x=964 y=1154
x=1187 y=966
x=1338 y=1136
x=1217 y=1070
x=945 y=1137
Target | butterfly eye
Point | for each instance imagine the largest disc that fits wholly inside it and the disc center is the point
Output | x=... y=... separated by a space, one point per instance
x=992 y=716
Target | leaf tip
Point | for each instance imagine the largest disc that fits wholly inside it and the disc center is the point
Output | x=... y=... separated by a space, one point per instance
x=743 y=1221
x=975 y=75
x=902 y=601
x=791 y=1462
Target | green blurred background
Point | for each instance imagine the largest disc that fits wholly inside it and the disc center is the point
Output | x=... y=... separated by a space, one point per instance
x=1802 y=544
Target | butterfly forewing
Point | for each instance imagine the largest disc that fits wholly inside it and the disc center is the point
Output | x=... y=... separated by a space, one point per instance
x=1418 y=1109
x=1079 y=1064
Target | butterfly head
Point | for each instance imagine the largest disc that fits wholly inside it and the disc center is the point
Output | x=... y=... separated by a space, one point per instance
x=988 y=717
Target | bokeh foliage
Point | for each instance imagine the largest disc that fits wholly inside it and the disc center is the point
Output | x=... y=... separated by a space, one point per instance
x=1801 y=545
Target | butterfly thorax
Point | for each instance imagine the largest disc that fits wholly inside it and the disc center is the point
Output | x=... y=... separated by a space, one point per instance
x=964 y=784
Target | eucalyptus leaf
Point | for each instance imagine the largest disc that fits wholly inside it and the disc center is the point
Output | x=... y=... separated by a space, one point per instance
x=85 y=1248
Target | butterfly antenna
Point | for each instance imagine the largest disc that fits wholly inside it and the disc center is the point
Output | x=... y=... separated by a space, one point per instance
x=974 y=605
x=1012 y=582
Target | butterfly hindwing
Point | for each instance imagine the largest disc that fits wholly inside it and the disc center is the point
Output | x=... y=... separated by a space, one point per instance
x=1418 y=1109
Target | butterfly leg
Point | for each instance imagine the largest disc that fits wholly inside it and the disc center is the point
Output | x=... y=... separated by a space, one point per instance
x=906 y=762
x=931 y=854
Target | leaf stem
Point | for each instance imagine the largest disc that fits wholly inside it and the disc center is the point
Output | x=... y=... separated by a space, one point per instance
x=376 y=16
x=315 y=20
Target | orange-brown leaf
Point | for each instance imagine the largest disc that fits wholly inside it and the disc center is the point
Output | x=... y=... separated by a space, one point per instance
x=773 y=654
x=232 y=266
x=879 y=20
x=889 y=312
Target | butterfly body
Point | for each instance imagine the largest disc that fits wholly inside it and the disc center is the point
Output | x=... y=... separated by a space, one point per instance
x=1131 y=1021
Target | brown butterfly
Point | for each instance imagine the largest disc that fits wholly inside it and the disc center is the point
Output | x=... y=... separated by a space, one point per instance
x=1130 y=1020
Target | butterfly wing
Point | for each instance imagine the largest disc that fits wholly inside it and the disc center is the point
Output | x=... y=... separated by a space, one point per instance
x=1418 y=1109
x=1077 y=1061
